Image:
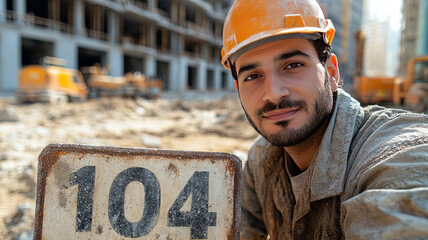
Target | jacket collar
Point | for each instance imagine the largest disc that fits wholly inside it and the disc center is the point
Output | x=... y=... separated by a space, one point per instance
x=329 y=165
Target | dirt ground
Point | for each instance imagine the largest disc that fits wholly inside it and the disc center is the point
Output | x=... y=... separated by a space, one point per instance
x=195 y=121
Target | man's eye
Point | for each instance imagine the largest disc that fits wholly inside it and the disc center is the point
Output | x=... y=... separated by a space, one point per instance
x=252 y=77
x=293 y=65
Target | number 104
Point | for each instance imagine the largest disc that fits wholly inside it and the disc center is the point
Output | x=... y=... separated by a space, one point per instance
x=198 y=218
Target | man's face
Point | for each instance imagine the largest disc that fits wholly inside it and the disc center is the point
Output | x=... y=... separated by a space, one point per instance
x=285 y=90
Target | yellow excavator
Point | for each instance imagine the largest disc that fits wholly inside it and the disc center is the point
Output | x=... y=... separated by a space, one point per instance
x=132 y=84
x=409 y=93
x=50 y=82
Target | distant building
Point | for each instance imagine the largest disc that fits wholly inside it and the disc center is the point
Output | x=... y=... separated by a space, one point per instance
x=178 y=41
x=382 y=31
x=414 y=40
x=346 y=16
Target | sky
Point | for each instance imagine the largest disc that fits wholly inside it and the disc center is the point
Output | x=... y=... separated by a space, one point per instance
x=381 y=55
x=382 y=10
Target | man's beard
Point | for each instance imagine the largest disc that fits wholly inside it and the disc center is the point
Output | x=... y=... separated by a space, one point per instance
x=321 y=113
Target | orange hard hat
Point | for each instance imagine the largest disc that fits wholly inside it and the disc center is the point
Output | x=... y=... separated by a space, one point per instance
x=251 y=23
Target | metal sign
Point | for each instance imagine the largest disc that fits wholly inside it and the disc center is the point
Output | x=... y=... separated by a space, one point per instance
x=86 y=192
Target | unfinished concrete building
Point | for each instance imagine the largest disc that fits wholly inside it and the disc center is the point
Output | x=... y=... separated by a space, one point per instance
x=178 y=41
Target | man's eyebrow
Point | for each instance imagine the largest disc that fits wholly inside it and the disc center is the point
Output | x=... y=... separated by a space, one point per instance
x=279 y=58
x=247 y=68
x=291 y=54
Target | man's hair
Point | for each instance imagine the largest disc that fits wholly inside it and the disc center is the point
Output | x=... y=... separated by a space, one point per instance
x=322 y=48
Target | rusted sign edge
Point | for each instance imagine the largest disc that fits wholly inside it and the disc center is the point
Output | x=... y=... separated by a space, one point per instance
x=51 y=154
x=234 y=232
x=47 y=158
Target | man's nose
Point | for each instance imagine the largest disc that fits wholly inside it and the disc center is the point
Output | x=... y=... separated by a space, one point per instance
x=275 y=87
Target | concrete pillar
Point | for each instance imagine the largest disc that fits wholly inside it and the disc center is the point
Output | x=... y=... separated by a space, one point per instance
x=175 y=79
x=180 y=82
x=66 y=48
x=202 y=76
x=150 y=66
x=172 y=73
x=3 y=9
x=79 y=17
x=113 y=23
x=115 y=61
x=152 y=5
x=10 y=59
x=217 y=78
x=20 y=8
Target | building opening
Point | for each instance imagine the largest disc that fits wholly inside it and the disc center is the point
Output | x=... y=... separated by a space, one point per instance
x=65 y=14
x=133 y=64
x=134 y=32
x=33 y=51
x=38 y=8
x=192 y=47
x=210 y=80
x=165 y=8
x=89 y=57
x=190 y=15
x=162 y=72
x=213 y=54
x=191 y=77
x=96 y=21
x=9 y=5
x=163 y=41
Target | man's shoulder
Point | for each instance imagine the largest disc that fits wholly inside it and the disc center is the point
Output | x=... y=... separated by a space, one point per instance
x=388 y=138
x=375 y=113
x=387 y=126
x=392 y=122
x=259 y=147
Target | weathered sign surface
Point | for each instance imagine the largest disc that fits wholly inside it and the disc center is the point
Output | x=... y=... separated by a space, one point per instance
x=86 y=192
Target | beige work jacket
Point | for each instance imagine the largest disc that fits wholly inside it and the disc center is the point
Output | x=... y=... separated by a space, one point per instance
x=369 y=180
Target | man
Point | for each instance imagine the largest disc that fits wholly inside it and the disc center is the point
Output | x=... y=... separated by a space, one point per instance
x=324 y=167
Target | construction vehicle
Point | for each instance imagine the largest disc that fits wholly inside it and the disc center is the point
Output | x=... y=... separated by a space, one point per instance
x=413 y=91
x=50 y=82
x=132 y=84
x=410 y=93
x=139 y=85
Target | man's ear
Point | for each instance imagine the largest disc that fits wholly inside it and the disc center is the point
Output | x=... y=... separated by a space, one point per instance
x=236 y=85
x=332 y=66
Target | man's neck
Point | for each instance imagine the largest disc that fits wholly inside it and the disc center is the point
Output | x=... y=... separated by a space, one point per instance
x=303 y=153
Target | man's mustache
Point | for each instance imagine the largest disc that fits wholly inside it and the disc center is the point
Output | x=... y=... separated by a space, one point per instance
x=284 y=103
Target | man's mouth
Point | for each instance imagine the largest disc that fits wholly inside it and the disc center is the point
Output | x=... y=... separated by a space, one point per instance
x=279 y=115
